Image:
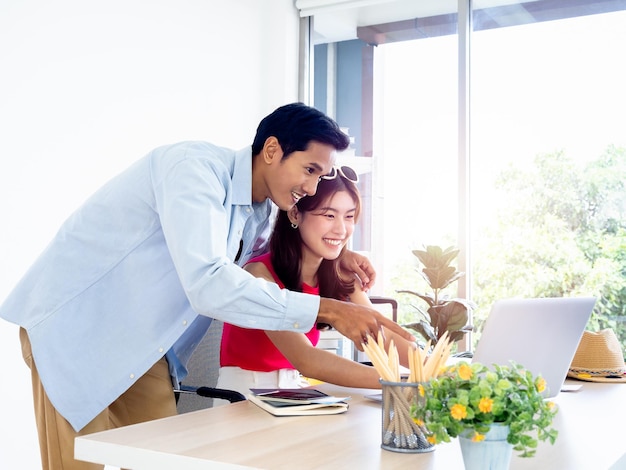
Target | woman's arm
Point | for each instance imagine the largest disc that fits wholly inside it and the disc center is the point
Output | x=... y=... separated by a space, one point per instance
x=329 y=367
x=323 y=365
x=314 y=362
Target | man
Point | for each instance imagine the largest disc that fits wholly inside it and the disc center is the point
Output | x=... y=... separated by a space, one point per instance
x=112 y=309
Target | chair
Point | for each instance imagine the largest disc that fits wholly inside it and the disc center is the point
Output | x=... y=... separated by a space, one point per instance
x=388 y=306
x=206 y=392
x=393 y=305
x=203 y=368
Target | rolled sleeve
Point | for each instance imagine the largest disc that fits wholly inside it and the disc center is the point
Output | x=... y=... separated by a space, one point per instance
x=297 y=305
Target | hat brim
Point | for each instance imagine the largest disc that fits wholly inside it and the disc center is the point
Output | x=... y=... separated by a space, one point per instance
x=614 y=379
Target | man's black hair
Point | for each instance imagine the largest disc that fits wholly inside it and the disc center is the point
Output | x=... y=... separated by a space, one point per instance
x=295 y=125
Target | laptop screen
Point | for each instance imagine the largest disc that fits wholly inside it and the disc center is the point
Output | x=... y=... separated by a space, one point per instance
x=540 y=334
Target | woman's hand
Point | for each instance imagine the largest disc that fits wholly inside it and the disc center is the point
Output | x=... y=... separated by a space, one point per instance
x=359 y=265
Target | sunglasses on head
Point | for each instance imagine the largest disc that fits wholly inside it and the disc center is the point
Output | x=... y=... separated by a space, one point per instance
x=345 y=171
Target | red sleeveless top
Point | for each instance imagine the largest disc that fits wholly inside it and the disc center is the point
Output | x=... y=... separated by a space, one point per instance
x=252 y=349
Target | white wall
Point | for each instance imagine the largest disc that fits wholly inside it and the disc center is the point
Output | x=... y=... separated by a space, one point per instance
x=86 y=88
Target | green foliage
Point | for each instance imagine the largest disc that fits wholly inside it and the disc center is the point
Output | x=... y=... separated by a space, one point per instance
x=443 y=313
x=560 y=230
x=468 y=398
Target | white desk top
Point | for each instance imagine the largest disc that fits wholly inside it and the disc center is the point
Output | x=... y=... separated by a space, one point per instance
x=591 y=425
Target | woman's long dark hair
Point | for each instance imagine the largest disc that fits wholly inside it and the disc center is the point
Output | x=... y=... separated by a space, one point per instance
x=286 y=244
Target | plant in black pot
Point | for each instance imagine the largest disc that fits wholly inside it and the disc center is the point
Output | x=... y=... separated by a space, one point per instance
x=443 y=313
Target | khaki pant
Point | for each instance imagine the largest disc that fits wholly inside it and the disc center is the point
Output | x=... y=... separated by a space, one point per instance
x=151 y=397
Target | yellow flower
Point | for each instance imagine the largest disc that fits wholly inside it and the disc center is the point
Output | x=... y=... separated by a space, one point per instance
x=478 y=437
x=485 y=405
x=418 y=421
x=420 y=390
x=431 y=439
x=541 y=384
x=458 y=412
x=465 y=371
x=551 y=404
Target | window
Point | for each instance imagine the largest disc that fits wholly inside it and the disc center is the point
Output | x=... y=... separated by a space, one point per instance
x=547 y=152
x=548 y=163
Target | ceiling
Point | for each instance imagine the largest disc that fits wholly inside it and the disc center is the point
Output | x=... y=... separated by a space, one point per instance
x=338 y=20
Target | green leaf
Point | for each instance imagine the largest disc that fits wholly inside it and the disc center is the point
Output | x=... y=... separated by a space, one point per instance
x=441 y=277
x=435 y=257
x=424 y=329
x=456 y=314
x=448 y=255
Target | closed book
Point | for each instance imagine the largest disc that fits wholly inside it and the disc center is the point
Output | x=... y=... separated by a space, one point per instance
x=297 y=402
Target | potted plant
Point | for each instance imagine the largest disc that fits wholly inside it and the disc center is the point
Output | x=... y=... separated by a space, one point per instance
x=468 y=400
x=444 y=313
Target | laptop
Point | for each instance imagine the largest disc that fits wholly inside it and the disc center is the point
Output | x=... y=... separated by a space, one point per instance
x=540 y=334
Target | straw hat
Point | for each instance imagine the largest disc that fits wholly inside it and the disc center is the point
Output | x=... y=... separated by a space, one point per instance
x=598 y=358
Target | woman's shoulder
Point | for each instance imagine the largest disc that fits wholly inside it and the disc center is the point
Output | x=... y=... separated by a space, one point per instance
x=261 y=266
x=258 y=269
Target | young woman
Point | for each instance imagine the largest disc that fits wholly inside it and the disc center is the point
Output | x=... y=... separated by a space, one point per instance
x=305 y=248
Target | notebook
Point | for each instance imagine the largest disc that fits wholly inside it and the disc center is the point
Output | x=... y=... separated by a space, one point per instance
x=540 y=334
x=297 y=402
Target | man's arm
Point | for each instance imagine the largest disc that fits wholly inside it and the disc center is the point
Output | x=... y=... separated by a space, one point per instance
x=356 y=322
x=352 y=320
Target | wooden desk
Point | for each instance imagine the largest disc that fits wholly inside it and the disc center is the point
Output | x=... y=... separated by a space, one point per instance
x=591 y=428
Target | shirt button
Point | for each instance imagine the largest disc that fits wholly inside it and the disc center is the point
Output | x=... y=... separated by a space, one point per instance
x=248 y=210
x=132 y=376
x=160 y=350
x=296 y=325
x=185 y=322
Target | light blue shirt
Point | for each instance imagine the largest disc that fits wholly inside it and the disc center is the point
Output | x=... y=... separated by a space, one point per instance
x=130 y=271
